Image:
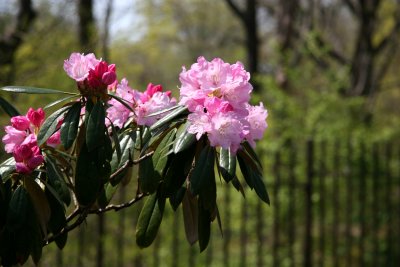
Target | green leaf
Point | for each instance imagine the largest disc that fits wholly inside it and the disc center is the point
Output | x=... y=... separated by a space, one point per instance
x=95 y=128
x=203 y=170
x=149 y=220
x=126 y=104
x=88 y=180
x=253 y=178
x=40 y=203
x=60 y=101
x=227 y=164
x=168 y=118
x=204 y=226
x=55 y=179
x=33 y=90
x=8 y=108
x=190 y=217
x=250 y=151
x=176 y=199
x=69 y=128
x=7 y=167
x=151 y=170
x=184 y=139
x=49 y=126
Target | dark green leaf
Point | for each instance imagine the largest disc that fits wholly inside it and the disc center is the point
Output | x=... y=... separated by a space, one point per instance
x=123 y=102
x=88 y=180
x=249 y=149
x=33 y=90
x=56 y=181
x=117 y=145
x=227 y=164
x=254 y=179
x=184 y=139
x=95 y=128
x=176 y=199
x=168 y=118
x=190 y=217
x=49 y=126
x=204 y=225
x=69 y=128
x=203 y=170
x=8 y=108
x=149 y=220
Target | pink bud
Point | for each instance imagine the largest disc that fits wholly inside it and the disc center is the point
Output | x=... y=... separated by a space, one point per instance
x=22 y=168
x=20 y=122
x=22 y=153
x=54 y=140
x=36 y=117
x=109 y=77
x=35 y=161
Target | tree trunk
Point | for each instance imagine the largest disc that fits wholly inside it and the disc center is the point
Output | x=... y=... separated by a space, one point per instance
x=86 y=27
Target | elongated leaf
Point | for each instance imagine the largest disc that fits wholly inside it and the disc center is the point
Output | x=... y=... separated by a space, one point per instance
x=7 y=167
x=249 y=149
x=162 y=111
x=204 y=226
x=149 y=220
x=168 y=118
x=60 y=101
x=184 y=139
x=49 y=126
x=176 y=199
x=123 y=102
x=190 y=217
x=69 y=128
x=39 y=202
x=8 y=108
x=227 y=164
x=254 y=179
x=56 y=181
x=203 y=170
x=87 y=177
x=33 y=90
x=95 y=128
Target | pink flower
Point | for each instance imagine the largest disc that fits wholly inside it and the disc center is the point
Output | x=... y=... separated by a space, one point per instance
x=78 y=65
x=257 y=121
x=36 y=117
x=12 y=138
x=226 y=131
x=158 y=102
x=200 y=123
x=117 y=113
x=21 y=123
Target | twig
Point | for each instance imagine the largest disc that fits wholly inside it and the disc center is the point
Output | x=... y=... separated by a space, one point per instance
x=119 y=206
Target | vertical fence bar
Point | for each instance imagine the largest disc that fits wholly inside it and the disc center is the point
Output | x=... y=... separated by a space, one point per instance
x=100 y=240
x=59 y=258
x=322 y=195
x=121 y=229
x=336 y=197
x=227 y=226
x=349 y=206
x=308 y=248
x=388 y=204
x=375 y=204
x=276 y=208
x=156 y=250
x=175 y=239
x=362 y=201
x=260 y=235
x=292 y=202
x=243 y=234
x=80 y=246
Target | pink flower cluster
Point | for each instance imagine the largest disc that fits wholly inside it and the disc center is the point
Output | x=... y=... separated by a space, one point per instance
x=92 y=75
x=20 y=140
x=217 y=94
x=144 y=104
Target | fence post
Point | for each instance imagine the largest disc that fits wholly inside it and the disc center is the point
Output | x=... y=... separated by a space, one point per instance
x=322 y=195
x=308 y=204
x=276 y=206
x=388 y=204
x=292 y=201
x=335 y=185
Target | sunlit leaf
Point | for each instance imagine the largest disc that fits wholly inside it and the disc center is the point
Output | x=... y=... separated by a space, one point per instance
x=184 y=139
x=69 y=128
x=149 y=220
x=33 y=90
x=169 y=117
x=227 y=164
x=49 y=126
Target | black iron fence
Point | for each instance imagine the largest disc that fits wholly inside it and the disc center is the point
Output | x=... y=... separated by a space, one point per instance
x=333 y=203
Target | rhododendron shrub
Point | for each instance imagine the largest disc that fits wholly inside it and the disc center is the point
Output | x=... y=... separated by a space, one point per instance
x=83 y=152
